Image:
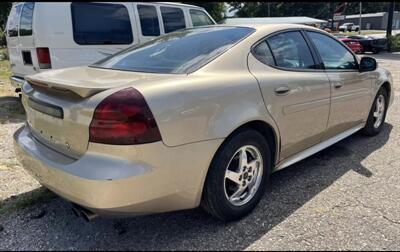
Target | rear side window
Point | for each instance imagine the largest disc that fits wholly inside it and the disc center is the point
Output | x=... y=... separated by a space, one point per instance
x=333 y=54
x=148 y=20
x=173 y=19
x=290 y=50
x=101 y=24
x=25 y=27
x=13 y=21
x=263 y=53
x=200 y=18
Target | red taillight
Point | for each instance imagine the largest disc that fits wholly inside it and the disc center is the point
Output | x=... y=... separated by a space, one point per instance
x=43 y=55
x=123 y=118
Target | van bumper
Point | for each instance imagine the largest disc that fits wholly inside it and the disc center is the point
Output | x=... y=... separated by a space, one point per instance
x=109 y=185
x=16 y=81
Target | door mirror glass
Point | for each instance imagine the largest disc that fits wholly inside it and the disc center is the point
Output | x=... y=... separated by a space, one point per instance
x=367 y=64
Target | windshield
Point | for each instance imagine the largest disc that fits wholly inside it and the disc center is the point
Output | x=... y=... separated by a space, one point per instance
x=177 y=52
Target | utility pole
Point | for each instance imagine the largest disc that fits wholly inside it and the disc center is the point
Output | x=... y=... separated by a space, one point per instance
x=359 y=22
x=389 y=26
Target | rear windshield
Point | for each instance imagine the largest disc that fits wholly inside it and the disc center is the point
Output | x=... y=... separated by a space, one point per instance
x=178 y=52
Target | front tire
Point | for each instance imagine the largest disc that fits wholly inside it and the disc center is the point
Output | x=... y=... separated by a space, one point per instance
x=377 y=114
x=237 y=177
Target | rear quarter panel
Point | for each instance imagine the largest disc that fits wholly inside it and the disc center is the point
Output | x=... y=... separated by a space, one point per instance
x=205 y=106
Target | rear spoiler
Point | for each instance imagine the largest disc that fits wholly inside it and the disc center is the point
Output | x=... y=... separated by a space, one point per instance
x=82 y=91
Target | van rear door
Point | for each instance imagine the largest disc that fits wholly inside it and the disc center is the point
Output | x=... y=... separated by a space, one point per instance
x=20 y=41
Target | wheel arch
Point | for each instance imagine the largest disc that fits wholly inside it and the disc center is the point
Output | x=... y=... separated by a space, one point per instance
x=271 y=135
x=267 y=130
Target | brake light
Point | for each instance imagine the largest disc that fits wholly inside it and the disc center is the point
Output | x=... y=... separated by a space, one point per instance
x=123 y=118
x=43 y=55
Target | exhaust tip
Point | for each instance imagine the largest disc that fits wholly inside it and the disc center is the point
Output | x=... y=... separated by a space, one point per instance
x=75 y=211
x=86 y=214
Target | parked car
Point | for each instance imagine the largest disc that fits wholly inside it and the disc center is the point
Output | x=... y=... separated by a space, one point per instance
x=43 y=36
x=370 y=43
x=196 y=117
x=348 y=27
x=353 y=44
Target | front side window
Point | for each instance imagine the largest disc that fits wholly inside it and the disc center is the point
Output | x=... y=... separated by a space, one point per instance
x=148 y=20
x=12 y=26
x=290 y=50
x=333 y=54
x=200 y=18
x=101 y=24
x=179 y=52
x=25 y=27
x=173 y=19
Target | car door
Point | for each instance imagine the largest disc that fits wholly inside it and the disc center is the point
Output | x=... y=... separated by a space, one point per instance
x=351 y=90
x=296 y=92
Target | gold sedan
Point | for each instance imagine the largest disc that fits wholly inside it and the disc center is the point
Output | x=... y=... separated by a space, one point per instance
x=196 y=117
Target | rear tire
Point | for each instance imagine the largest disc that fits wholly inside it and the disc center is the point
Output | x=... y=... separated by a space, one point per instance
x=377 y=114
x=222 y=197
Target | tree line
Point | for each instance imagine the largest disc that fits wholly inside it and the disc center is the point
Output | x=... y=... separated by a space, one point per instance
x=320 y=10
x=218 y=10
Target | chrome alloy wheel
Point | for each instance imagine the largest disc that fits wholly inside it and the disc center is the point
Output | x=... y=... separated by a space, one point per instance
x=379 y=111
x=243 y=175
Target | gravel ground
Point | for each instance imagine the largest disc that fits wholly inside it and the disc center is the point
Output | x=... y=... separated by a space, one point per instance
x=345 y=197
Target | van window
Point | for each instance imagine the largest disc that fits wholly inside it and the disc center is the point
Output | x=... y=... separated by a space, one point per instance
x=101 y=24
x=173 y=19
x=25 y=27
x=200 y=18
x=148 y=20
x=13 y=20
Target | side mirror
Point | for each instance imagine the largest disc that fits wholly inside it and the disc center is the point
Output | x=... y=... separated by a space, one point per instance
x=367 y=64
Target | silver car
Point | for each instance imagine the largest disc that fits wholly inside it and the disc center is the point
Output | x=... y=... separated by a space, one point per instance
x=198 y=117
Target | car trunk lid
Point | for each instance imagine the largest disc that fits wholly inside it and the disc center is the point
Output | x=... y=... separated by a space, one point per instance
x=60 y=103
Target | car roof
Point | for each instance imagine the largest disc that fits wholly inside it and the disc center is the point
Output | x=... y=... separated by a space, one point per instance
x=273 y=27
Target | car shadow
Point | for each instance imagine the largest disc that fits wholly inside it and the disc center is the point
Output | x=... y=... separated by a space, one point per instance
x=11 y=110
x=289 y=190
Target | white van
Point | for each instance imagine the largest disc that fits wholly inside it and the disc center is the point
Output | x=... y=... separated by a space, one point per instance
x=42 y=36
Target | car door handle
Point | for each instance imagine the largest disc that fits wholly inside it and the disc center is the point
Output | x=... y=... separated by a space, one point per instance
x=282 y=90
x=338 y=84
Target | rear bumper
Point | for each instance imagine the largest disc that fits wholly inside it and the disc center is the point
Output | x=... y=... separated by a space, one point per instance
x=17 y=81
x=123 y=180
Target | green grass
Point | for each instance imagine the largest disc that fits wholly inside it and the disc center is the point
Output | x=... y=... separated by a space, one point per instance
x=5 y=86
x=4 y=66
x=40 y=195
